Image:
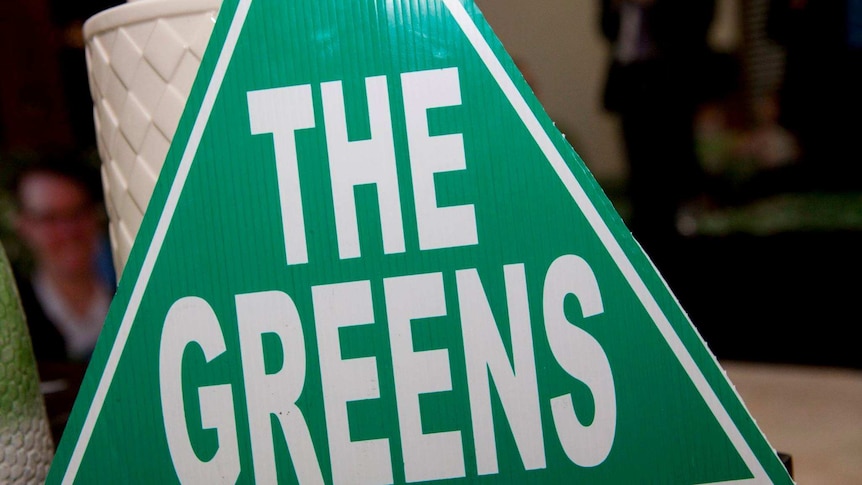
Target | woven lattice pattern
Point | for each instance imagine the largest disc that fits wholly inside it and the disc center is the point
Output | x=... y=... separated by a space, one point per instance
x=140 y=77
x=26 y=446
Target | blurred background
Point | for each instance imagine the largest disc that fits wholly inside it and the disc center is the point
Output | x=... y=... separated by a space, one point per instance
x=769 y=264
x=769 y=261
x=766 y=258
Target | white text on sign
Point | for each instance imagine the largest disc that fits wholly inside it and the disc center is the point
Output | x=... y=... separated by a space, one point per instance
x=282 y=111
x=426 y=456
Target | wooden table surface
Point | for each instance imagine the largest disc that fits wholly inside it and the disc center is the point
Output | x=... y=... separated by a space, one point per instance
x=812 y=413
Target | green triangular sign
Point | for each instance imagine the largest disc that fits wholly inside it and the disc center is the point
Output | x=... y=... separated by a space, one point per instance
x=372 y=258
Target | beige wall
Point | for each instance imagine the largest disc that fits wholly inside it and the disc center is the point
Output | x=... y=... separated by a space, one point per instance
x=561 y=49
x=557 y=43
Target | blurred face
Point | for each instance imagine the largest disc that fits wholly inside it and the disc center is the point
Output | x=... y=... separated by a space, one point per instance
x=59 y=223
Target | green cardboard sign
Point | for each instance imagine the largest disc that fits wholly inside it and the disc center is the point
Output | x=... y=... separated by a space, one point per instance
x=371 y=257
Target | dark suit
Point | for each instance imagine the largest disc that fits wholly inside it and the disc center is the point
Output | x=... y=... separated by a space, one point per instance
x=48 y=344
x=656 y=99
x=53 y=362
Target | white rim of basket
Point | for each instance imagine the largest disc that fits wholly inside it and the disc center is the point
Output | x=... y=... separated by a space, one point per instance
x=139 y=10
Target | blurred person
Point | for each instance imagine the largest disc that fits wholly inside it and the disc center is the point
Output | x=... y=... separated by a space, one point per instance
x=64 y=292
x=820 y=97
x=659 y=73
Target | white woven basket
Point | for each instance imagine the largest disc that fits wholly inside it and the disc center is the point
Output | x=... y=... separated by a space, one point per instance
x=142 y=58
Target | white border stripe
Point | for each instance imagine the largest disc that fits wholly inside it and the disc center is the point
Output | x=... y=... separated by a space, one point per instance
x=158 y=239
x=603 y=231
x=554 y=158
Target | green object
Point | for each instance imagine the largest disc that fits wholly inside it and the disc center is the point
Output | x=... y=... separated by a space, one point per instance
x=371 y=257
x=26 y=446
